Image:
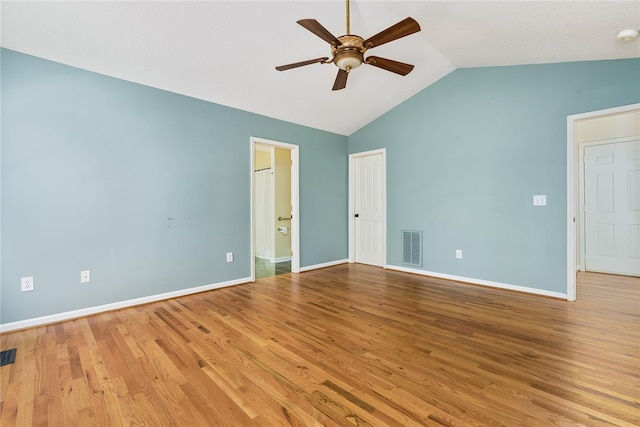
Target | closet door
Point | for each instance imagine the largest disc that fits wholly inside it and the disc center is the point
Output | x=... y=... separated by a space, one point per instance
x=369 y=209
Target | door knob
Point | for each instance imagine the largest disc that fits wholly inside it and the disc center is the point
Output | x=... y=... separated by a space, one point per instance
x=357 y=215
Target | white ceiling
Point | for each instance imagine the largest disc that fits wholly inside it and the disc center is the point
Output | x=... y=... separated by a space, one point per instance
x=225 y=51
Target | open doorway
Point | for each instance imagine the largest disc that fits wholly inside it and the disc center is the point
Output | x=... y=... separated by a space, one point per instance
x=596 y=128
x=274 y=207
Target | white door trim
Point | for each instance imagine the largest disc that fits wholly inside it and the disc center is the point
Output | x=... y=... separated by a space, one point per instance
x=351 y=212
x=295 y=198
x=572 y=188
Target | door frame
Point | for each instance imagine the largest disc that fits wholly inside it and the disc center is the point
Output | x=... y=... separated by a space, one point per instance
x=573 y=189
x=351 y=210
x=295 y=200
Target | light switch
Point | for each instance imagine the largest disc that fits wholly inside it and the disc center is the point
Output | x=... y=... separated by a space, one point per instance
x=540 y=200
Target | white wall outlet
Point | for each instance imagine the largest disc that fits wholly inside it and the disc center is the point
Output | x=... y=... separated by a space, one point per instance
x=85 y=276
x=26 y=284
x=459 y=253
x=540 y=200
x=229 y=256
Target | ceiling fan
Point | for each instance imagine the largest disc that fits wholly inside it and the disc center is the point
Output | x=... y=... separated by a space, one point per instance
x=348 y=50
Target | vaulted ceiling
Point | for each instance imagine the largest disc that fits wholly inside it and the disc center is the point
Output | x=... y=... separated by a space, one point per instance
x=226 y=51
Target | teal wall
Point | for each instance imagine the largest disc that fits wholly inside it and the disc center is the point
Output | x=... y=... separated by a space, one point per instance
x=93 y=168
x=466 y=155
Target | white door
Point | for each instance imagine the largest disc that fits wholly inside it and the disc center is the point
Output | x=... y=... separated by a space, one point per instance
x=369 y=209
x=612 y=208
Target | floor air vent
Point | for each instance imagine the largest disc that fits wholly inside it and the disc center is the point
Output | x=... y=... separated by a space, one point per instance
x=412 y=248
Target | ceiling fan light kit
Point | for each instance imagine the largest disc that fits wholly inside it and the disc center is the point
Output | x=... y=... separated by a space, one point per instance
x=348 y=55
x=348 y=50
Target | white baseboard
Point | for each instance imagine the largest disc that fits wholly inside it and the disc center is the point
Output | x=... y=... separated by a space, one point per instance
x=275 y=260
x=480 y=282
x=323 y=265
x=59 y=317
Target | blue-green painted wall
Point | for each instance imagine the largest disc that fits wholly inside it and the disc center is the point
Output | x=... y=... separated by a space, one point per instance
x=466 y=155
x=93 y=168
x=145 y=188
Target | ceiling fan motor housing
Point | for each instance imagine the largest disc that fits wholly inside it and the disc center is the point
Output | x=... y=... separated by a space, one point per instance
x=348 y=55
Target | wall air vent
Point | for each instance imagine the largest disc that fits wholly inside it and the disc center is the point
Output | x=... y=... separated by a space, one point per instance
x=412 y=248
x=7 y=356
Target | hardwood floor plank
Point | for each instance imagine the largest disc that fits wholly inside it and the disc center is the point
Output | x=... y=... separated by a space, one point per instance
x=9 y=405
x=342 y=346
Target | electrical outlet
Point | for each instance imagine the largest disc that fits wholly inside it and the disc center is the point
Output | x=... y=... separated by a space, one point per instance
x=229 y=256
x=458 y=253
x=85 y=276
x=26 y=284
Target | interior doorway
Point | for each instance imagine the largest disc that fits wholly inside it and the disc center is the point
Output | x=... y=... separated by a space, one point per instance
x=583 y=128
x=274 y=207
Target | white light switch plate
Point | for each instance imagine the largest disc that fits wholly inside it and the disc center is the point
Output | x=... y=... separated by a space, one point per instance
x=540 y=200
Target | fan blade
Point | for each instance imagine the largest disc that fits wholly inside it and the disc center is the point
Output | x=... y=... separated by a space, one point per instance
x=301 y=64
x=341 y=80
x=394 y=32
x=316 y=28
x=390 y=65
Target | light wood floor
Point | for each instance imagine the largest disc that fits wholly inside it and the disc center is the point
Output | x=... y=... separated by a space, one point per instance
x=350 y=345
